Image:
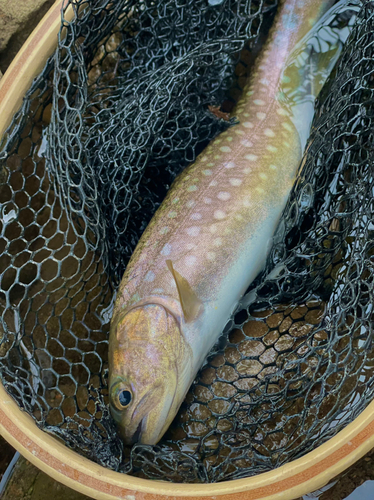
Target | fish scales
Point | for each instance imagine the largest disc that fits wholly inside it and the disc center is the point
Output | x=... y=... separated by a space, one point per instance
x=207 y=242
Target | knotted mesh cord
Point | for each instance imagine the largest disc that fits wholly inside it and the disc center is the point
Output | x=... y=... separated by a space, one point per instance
x=116 y=114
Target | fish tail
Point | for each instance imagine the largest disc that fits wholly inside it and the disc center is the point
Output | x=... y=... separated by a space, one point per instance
x=312 y=60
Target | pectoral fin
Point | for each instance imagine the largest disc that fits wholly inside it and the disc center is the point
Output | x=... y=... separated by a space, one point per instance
x=190 y=303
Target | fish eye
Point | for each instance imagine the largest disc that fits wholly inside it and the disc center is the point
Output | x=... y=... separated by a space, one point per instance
x=124 y=398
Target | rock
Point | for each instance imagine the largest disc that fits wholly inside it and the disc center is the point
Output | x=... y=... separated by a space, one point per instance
x=17 y=21
x=13 y=15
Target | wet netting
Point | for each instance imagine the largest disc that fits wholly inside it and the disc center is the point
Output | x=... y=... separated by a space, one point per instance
x=133 y=93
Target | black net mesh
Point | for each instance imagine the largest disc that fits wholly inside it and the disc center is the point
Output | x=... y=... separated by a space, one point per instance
x=130 y=97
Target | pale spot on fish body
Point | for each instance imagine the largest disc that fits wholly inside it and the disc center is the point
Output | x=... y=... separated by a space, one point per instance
x=193 y=231
x=287 y=126
x=211 y=255
x=271 y=148
x=223 y=195
x=229 y=164
x=269 y=133
x=207 y=172
x=172 y=215
x=190 y=260
x=213 y=184
x=217 y=242
x=246 y=143
x=196 y=216
x=213 y=228
x=192 y=188
x=273 y=167
x=166 y=250
x=261 y=116
x=150 y=276
x=190 y=203
x=207 y=201
x=286 y=79
x=236 y=182
x=251 y=157
x=258 y=102
x=282 y=112
x=250 y=124
x=263 y=176
x=219 y=214
x=190 y=246
x=225 y=149
x=247 y=202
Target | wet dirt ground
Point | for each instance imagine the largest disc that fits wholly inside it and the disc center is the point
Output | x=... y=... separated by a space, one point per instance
x=29 y=483
x=26 y=482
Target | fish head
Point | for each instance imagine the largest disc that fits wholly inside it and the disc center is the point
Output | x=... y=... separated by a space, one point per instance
x=148 y=364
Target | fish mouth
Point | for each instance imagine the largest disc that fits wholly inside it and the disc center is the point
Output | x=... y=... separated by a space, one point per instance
x=158 y=420
x=135 y=438
x=149 y=419
x=151 y=423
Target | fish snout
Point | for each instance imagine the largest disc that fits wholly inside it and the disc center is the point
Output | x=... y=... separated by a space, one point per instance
x=152 y=415
x=130 y=436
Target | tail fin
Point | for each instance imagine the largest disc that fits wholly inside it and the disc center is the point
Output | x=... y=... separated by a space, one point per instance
x=312 y=61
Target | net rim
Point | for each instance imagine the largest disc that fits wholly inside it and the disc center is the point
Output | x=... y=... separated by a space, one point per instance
x=292 y=480
x=289 y=481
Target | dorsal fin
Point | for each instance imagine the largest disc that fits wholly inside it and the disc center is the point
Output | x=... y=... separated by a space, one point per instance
x=190 y=303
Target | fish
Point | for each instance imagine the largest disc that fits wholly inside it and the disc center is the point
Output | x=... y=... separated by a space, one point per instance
x=210 y=237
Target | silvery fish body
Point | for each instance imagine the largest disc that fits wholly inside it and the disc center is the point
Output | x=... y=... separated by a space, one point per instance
x=210 y=237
